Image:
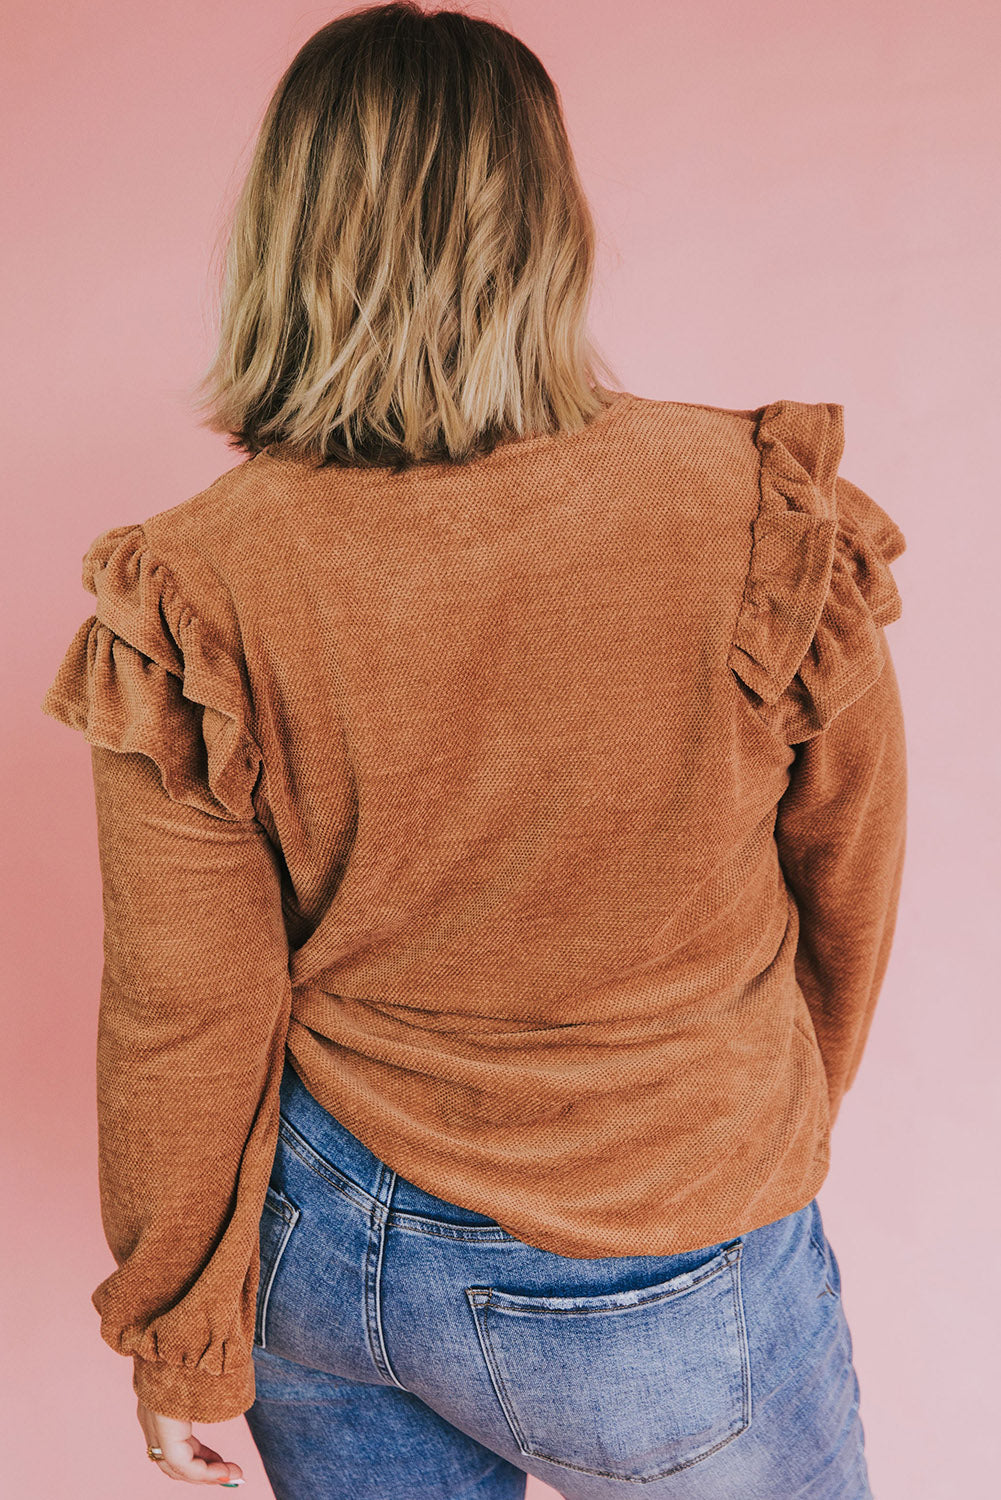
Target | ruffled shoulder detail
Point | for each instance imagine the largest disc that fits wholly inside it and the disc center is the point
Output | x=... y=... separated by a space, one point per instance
x=818 y=588
x=145 y=673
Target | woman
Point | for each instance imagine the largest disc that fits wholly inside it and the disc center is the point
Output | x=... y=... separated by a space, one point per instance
x=500 y=787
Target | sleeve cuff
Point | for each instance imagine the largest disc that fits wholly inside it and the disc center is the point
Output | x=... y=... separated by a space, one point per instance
x=192 y=1395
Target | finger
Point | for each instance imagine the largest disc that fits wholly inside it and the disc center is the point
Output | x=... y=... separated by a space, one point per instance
x=215 y=1461
x=196 y=1472
x=201 y=1450
x=195 y=1468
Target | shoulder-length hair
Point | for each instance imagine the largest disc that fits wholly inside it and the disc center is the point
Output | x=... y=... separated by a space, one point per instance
x=410 y=257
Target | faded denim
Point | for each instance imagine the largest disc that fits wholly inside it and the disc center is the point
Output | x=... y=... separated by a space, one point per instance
x=410 y=1349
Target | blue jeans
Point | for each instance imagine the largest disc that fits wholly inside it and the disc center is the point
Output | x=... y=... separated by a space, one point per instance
x=409 y=1349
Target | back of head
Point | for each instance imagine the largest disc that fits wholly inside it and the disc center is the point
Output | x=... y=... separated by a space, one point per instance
x=410 y=259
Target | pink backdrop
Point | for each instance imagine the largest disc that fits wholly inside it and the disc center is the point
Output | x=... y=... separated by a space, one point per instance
x=793 y=201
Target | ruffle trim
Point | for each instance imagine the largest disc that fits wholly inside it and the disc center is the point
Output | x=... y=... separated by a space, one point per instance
x=818 y=588
x=144 y=675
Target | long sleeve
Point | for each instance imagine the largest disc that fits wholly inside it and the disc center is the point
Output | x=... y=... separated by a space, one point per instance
x=195 y=990
x=193 y=1015
x=810 y=653
x=841 y=835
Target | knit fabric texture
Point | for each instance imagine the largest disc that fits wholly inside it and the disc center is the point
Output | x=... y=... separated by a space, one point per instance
x=548 y=812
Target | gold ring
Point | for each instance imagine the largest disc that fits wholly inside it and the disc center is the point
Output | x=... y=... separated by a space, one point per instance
x=154 y=1453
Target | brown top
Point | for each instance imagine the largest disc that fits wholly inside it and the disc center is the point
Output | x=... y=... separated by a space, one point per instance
x=550 y=811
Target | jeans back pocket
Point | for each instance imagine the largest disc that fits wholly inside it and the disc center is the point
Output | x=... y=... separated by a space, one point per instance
x=278 y=1219
x=630 y=1385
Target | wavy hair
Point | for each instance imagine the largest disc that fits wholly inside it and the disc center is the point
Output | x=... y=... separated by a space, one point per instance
x=409 y=261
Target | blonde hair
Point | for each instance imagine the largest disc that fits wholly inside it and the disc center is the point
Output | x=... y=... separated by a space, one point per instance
x=409 y=260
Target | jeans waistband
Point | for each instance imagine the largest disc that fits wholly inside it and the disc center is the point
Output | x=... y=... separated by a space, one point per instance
x=352 y=1158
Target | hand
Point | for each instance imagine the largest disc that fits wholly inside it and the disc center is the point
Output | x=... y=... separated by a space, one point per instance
x=184 y=1457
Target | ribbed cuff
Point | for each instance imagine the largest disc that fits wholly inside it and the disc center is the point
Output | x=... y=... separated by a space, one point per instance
x=192 y=1395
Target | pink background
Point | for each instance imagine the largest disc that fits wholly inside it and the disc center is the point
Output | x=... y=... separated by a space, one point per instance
x=793 y=201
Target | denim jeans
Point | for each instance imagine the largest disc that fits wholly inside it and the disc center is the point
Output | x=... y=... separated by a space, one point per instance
x=410 y=1349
